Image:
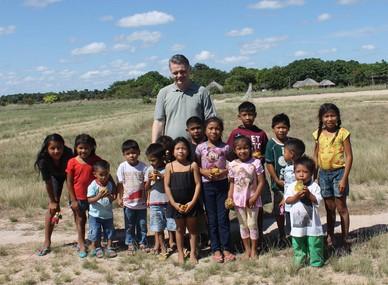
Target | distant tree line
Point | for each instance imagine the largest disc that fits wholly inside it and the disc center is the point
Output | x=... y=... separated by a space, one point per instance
x=341 y=72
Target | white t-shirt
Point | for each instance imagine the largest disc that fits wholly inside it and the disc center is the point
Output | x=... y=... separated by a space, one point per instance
x=305 y=219
x=289 y=178
x=132 y=178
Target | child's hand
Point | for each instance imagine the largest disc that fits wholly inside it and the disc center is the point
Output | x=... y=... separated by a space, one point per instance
x=282 y=202
x=208 y=174
x=342 y=184
x=120 y=202
x=279 y=183
x=148 y=203
x=74 y=205
x=180 y=208
x=189 y=206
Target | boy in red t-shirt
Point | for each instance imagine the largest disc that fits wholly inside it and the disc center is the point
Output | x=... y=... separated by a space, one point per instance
x=247 y=115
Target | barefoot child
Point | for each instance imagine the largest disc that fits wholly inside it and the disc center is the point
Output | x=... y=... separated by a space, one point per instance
x=247 y=115
x=79 y=175
x=247 y=181
x=182 y=183
x=157 y=199
x=100 y=197
x=132 y=196
x=51 y=162
x=333 y=154
x=304 y=196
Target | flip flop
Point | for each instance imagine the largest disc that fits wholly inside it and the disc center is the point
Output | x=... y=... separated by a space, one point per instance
x=82 y=254
x=217 y=258
x=131 y=250
x=229 y=257
x=43 y=251
x=110 y=252
x=163 y=256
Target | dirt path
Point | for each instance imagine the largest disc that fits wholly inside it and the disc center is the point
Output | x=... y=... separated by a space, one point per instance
x=307 y=97
x=21 y=233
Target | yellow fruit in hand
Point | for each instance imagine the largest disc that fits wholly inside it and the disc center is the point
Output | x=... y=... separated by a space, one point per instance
x=229 y=203
x=215 y=171
x=103 y=190
x=183 y=207
x=299 y=186
x=257 y=154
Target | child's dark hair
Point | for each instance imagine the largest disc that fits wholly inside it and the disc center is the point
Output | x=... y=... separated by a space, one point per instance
x=101 y=164
x=85 y=139
x=155 y=150
x=247 y=107
x=43 y=153
x=217 y=120
x=167 y=143
x=323 y=109
x=307 y=162
x=194 y=120
x=295 y=145
x=281 y=118
x=241 y=138
x=186 y=142
x=130 y=144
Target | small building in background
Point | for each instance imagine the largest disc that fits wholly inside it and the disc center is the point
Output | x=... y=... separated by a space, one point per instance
x=307 y=83
x=326 y=83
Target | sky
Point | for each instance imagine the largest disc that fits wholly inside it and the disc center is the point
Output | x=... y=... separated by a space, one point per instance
x=59 y=45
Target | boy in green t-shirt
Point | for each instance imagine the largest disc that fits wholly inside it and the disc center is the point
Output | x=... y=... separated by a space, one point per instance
x=275 y=164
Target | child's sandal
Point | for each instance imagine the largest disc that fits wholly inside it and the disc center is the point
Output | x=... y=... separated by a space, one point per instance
x=217 y=258
x=131 y=250
x=43 y=251
x=110 y=252
x=229 y=257
x=163 y=256
x=143 y=248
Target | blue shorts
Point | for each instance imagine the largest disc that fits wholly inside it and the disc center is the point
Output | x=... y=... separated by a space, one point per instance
x=95 y=225
x=158 y=219
x=329 y=181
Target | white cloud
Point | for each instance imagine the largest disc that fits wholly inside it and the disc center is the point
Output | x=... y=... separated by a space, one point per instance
x=177 y=47
x=366 y=31
x=368 y=47
x=275 y=4
x=234 y=59
x=95 y=74
x=145 y=19
x=106 y=18
x=91 y=48
x=300 y=53
x=40 y=3
x=7 y=30
x=146 y=37
x=122 y=47
x=41 y=68
x=323 y=17
x=239 y=33
x=347 y=2
x=261 y=44
x=204 y=55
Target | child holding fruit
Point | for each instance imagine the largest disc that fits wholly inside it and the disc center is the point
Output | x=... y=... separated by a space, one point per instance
x=182 y=183
x=247 y=181
x=211 y=155
x=100 y=197
x=304 y=196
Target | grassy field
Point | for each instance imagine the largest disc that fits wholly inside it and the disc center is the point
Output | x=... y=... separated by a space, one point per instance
x=22 y=195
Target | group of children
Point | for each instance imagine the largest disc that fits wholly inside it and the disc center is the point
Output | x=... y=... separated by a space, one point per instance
x=191 y=184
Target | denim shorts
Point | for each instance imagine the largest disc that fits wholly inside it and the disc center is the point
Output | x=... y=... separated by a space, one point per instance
x=329 y=181
x=95 y=225
x=83 y=205
x=158 y=219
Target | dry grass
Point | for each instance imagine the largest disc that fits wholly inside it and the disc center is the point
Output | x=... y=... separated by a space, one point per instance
x=22 y=196
x=111 y=122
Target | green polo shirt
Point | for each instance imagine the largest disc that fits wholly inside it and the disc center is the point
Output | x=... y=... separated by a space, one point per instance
x=175 y=106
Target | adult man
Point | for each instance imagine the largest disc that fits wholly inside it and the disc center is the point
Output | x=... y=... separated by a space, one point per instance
x=179 y=101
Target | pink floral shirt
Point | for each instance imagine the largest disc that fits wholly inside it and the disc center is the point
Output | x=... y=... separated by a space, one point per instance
x=244 y=176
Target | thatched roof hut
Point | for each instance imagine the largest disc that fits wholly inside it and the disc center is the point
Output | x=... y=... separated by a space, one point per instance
x=326 y=83
x=308 y=82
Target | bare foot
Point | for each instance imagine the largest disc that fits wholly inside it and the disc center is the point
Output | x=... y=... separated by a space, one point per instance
x=181 y=258
x=193 y=260
x=245 y=256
